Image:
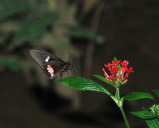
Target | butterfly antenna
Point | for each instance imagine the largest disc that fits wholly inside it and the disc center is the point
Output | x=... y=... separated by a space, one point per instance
x=69 y=57
x=75 y=72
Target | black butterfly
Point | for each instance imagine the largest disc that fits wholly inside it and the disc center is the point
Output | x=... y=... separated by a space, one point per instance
x=50 y=64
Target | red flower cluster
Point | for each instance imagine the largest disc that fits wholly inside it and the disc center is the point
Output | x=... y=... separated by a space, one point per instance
x=119 y=72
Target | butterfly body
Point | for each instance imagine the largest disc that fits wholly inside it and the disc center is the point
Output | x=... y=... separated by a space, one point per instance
x=50 y=64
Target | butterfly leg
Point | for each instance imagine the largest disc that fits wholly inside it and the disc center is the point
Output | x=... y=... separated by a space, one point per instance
x=61 y=73
x=68 y=73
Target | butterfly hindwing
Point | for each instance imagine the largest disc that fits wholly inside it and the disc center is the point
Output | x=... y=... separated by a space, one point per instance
x=51 y=68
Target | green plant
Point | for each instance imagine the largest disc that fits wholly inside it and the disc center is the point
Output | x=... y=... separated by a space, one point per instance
x=118 y=76
x=150 y=115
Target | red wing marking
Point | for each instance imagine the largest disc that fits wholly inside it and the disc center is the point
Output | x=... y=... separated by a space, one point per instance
x=64 y=68
x=50 y=70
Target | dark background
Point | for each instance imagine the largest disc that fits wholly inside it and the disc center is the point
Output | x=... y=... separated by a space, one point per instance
x=122 y=28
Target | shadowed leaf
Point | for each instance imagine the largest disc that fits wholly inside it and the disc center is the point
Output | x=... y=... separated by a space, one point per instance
x=145 y=114
x=156 y=92
x=137 y=96
x=153 y=123
x=103 y=79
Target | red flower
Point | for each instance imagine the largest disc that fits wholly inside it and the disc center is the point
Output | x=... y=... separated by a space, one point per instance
x=119 y=72
x=124 y=63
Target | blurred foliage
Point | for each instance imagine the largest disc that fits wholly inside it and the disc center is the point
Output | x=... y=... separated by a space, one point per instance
x=10 y=63
x=10 y=7
x=33 y=28
x=31 y=19
x=81 y=32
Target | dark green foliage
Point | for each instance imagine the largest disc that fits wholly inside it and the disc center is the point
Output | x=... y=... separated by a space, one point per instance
x=156 y=92
x=104 y=79
x=81 y=32
x=151 y=114
x=137 y=96
x=154 y=123
x=144 y=114
x=11 y=64
x=151 y=119
x=34 y=27
x=83 y=84
x=11 y=7
x=32 y=20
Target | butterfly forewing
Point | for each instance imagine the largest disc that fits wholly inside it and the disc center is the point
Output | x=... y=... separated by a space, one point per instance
x=42 y=57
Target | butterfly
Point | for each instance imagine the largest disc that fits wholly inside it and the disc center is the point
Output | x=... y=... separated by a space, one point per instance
x=50 y=64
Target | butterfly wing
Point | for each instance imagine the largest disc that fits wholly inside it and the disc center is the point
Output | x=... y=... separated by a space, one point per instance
x=49 y=63
x=42 y=57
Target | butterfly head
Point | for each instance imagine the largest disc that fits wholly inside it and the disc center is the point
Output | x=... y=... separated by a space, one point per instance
x=67 y=66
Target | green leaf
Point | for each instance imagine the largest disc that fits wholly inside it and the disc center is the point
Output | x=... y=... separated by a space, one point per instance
x=2 y=37
x=115 y=59
x=137 y=96
x=145 y=114
x=10 y=7
x=34 y=27
x=83 y=84
x=153 y=123
x=156 y=92
x=11 y=64
x=104 y=79
x=84 y=33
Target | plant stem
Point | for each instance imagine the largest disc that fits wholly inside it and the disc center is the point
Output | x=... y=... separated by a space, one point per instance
x=118 y=93
x=124 y=116
x=119 y=102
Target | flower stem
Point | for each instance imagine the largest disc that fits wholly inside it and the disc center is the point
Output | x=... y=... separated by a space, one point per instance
x=118 y=93
x=119 y=102
x=124 y=116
